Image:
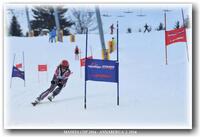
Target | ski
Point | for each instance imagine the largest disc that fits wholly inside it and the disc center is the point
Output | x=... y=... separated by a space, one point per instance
x=50 y=99
x=37 y=103
x=34 y=103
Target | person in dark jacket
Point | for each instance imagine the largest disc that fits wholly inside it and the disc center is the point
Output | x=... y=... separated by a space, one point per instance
x=146 y=27
x=76 y=52
x=112 y=29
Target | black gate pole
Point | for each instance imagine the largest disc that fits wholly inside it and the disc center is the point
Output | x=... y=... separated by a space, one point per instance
x=117 y=64
x=85 y=106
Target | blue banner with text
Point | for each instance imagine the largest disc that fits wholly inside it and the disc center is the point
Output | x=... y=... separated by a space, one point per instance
x=101 y=70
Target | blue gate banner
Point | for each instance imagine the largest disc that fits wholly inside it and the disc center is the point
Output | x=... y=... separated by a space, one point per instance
x=17 y=73
x=101 y=70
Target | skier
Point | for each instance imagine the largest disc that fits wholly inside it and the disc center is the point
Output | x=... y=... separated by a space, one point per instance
x=52 y=35
x=59 y=80
x=177 y=26
x=146 y=28
x=112 y=29
x=76 y=52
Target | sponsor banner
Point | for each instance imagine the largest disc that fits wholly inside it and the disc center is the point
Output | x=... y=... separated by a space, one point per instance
x=102 y=70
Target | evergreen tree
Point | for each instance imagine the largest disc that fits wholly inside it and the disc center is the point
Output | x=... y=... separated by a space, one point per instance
x=44 y=19
x=15 y=29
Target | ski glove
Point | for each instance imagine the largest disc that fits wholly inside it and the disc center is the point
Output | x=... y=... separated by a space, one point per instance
x=59 y=80
x=60 y=83
x=53 y=82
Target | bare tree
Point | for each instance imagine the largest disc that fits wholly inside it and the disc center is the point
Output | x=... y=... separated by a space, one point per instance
x=83 y=18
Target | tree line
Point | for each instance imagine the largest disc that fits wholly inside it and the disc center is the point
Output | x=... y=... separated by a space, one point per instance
x=43 y=18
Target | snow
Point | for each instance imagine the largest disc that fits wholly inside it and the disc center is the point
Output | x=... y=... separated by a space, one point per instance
x=152 y=94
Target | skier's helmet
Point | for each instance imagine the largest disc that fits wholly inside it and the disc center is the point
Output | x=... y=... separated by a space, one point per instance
x=65 y=64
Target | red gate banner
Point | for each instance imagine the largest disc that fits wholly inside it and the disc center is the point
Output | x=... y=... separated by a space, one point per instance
x=82 y=61
x=19 y=65
x=173 y=36
x=42 y=67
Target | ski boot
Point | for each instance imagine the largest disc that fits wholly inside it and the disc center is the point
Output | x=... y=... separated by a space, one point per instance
x=36 y=102
x=50 y=98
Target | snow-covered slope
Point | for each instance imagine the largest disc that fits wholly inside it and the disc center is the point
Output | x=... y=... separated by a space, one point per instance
x=152 y=94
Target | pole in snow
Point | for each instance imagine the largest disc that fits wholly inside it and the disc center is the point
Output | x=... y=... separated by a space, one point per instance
x=85 y=105
x=118 y=63
x=165 y=38
x=28 y=20
x=12 y=71
x=101 y=34
x=24 y=69
x=185 y=35
x=57 y=21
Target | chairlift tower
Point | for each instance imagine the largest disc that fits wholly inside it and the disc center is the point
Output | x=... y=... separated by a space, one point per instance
x=101 y=34
x=28 y=20
x=59 y=35
x=56 y=19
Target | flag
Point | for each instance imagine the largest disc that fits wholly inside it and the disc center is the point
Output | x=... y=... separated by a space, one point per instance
x=18 y=73
x=19 y=65
x=42 y=67
x=82 y=61
x=173 y=36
